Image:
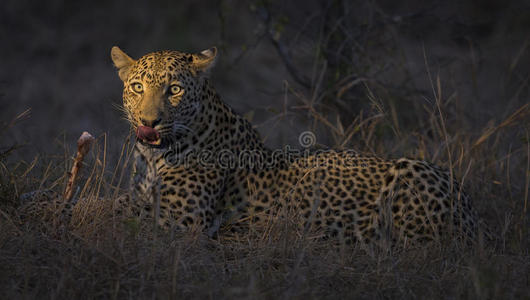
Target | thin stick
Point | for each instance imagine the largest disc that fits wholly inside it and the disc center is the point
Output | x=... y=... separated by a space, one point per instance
x=83 y=146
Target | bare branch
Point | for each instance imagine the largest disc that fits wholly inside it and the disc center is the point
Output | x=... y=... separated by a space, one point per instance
x=282 y=50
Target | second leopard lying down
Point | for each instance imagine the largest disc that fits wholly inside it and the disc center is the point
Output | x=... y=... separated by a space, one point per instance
x=184 y=129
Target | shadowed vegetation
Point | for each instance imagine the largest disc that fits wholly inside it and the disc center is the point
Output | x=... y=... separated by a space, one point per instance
x=441 y=81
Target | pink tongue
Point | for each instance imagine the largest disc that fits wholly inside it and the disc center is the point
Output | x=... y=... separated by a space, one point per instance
x=147 y=134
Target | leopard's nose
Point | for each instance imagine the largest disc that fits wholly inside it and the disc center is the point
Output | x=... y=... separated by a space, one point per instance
x=150 y=123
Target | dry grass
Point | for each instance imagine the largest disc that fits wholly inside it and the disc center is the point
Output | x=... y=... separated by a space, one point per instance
x=98 y=256
x=105 y=259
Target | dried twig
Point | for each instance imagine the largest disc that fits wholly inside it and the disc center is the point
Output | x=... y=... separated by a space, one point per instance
x=521 y=113
x=83 y=146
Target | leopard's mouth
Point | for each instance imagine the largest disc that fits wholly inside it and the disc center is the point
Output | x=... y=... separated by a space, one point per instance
x=149 y=136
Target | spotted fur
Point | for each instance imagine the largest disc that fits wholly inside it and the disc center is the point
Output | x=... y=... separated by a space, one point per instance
x=356 y=197
x=189 y=179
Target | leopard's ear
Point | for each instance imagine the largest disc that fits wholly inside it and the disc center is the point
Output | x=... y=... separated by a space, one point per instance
x=204 y=61
x=122 y=61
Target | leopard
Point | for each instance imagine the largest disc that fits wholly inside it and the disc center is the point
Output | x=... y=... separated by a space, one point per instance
x=198 y=164
x=184 y=130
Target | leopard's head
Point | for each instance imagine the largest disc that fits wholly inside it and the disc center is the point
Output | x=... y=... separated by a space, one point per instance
x=162 y=92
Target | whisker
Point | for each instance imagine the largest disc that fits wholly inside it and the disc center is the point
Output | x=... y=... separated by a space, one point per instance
x=182 y=126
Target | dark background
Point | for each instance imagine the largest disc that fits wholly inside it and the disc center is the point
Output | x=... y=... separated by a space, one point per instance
x=55 y=61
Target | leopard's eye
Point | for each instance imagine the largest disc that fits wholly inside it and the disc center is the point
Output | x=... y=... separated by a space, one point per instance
x=138 y=87
x=175 y=90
